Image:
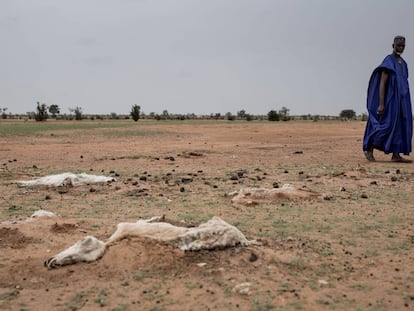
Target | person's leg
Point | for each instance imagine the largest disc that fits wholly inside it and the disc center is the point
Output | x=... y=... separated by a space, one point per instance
x=369 y=154
x=397 y=158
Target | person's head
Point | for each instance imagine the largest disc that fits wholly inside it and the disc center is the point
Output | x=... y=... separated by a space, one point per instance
x=399 y=45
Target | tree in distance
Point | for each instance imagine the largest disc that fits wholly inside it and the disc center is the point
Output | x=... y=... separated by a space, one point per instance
x=347 y=114
x=54 y=110
x=77 y=111
x=41 y=112
x=135 y=112
x=272 y=115
x=3 y=113
x=230 y=116
x=284 y=114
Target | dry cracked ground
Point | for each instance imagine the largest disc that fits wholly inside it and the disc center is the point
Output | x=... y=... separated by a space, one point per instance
x=348 y=248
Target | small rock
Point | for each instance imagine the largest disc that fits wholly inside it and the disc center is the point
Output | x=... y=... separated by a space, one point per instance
x=327 y=197
x=253 y=257
x=242 y=288
x=364 y=196
x=186 y=180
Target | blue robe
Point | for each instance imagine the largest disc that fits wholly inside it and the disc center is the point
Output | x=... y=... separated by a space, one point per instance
x=392 y=132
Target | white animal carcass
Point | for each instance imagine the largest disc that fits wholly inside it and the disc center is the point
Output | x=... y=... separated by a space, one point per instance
x=286 y=192
x=216 y=233
x=66 y=179
x=86 y=250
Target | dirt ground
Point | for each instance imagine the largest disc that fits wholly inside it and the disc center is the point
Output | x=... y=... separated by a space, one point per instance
x=350 y=248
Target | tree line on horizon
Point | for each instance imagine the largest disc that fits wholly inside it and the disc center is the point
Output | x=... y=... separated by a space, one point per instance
x=44 y=112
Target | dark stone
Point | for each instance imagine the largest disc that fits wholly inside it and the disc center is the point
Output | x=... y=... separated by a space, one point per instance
x=253 y=257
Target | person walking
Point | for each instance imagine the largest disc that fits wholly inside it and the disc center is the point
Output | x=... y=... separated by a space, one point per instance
x=390 y=122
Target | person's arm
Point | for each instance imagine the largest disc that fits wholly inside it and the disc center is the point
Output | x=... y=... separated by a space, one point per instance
x=383 y=85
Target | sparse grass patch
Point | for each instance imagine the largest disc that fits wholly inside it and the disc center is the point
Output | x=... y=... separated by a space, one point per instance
x=79 y=300
x=285 y=287
x=371 y=252
x=9 y=295
x=193 y=218
x=134 y=156
x=192 y=285
x=121 y=307
x=364 y=229
x=324 y=269
x=5 y=175
x=399 y=245
x=94 y=227
x=101 y=299
x=324 y=301
x=258 y=305
x=34 y=128
x=139 y=275
x=296 y=263
x=360 y=287
x=152 y=292
x=133 y=133
x=395 y=219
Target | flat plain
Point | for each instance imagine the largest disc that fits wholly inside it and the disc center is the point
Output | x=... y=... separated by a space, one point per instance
x=350 y=248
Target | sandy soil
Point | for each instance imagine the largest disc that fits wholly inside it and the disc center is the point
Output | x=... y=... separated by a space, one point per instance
x=350 y=248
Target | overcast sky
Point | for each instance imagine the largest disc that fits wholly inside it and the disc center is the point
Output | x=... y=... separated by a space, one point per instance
x=197 y=56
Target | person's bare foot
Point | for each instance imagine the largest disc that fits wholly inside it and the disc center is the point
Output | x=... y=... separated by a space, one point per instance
x=369 y=154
